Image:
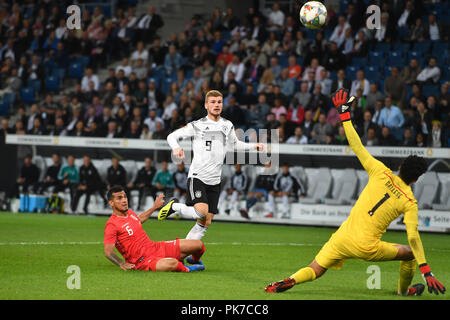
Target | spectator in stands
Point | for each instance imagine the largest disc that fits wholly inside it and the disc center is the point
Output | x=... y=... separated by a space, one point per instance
x=420 y=141
x=163 y=180
x=424 y=119
x=28 y=178
x=387 y=139
x=319 y=102
x=143 y=182
x=373 y=96
x=408 y=16
x=325 y=82
x=341 y=81
x=410 y=72
x=298 y=137
x=360 y=83
x=408 y=138
x=276 y=18
x=148 y=24
x=160 y=133
x=443 y=99
x=395 y=87
x=152 y=120
x=271 y=45
x=113 y=130
x=68 y=177
x=139 y=53
x=339 y=31
x=237 y=67
x=180 y=177
x=304 y=96
x=434 y=30
x=430 y=74
x=315 y=68
x=436 y=138
x=320 y=130
x=386 y=32
x=146 y=133
x=417 y=32
x=89 y=183
x=286 y=84
x=391 y=116
x=370 y=139
x=88 y=77
x=308 y=124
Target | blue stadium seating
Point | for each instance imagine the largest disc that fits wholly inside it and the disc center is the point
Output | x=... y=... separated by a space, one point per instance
x=430 y=90
x=359 y=62
x=401 y=46
x=376 y=58
x=396 y=59
x=423 y=46
x=28 y=95
x=372 y=73
x=350 y=71
x=383 y=47
x=52 y=83
x=387 y=71
x=35 y=84
x=5 y=107
x=76 y=70
x=445 y=73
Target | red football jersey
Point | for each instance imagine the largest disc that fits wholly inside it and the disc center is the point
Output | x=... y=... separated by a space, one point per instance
x=128 y=235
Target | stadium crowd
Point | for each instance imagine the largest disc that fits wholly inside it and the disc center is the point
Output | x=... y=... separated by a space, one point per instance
x=274 y=73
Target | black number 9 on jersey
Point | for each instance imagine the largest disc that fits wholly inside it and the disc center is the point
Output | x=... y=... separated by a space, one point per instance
x=208 y=145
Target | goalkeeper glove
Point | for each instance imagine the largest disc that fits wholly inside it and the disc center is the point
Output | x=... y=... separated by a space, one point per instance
x=433 y=284
x=342 y=104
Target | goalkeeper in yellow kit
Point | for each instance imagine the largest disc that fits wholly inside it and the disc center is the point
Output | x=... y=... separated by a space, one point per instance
x=385 y=197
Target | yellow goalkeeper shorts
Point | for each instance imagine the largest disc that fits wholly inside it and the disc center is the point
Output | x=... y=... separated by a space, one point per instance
x=340 y=247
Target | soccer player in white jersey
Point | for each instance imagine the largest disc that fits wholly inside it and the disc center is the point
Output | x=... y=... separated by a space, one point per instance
x=211 y=136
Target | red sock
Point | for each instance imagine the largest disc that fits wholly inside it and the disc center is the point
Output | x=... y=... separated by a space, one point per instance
x=198 y=255
x=181 y=268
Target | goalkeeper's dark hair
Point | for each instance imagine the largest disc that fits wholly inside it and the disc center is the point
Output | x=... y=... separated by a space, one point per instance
x=412 y=168
x=112 y=190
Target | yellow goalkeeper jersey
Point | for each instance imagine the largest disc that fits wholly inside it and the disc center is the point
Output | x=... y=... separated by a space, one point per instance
x=384 y=199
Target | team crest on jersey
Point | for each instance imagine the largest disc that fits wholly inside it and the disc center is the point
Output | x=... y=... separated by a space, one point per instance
x=198 y=194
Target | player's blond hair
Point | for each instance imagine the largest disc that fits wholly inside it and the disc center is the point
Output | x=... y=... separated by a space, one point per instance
x=213 y=93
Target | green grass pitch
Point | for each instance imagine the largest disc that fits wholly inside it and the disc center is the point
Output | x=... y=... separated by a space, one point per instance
x=241 y=259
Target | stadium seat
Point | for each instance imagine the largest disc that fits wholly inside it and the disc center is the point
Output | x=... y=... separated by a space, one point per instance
x=319 y=185
x=401 y=46
x=372 y=73
x=5 y=107
x=445 y=74
x=52 y=83
x=383 y=47
x=345 y=183
x=396 y=59
x=35 y=84
x=363 y=179
x=444 y=201
x=430 y=90
x=423 y=46
x=76 y=70
x=27 y=95
x=359 y=62
x=425 y=190
x=351 y=71
x=417 y=55
x=377 y=58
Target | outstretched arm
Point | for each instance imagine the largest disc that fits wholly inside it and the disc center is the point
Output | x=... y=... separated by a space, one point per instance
x=343 y=105
x=159 y=201
x=183 y=133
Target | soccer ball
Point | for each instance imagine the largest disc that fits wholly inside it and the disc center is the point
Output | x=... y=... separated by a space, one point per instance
x=313 y=14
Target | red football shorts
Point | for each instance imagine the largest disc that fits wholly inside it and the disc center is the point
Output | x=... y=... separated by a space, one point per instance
x=158 y=251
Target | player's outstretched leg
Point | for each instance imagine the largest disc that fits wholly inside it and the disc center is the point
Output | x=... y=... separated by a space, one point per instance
x=193 y=250
x=310 y=273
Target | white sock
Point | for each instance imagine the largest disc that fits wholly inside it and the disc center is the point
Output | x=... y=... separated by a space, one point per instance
x=186 y=211
x=233 y=201
x=197 y=232
x=271 y=203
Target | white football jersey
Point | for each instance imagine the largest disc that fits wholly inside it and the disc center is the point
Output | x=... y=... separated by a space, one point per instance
x=210 y=141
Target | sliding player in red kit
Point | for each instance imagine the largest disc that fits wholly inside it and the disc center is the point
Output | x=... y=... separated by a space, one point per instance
x=124 y=231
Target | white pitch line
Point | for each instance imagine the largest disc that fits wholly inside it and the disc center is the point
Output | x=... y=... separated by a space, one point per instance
x=280 y=244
